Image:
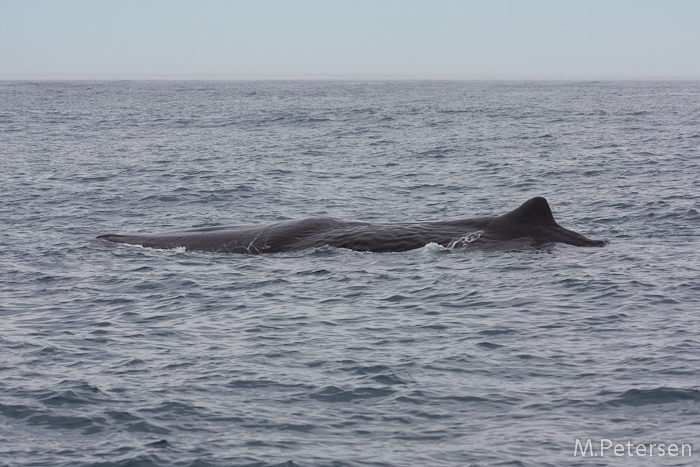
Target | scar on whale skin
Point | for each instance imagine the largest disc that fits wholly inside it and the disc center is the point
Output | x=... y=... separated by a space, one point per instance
x=530 y=224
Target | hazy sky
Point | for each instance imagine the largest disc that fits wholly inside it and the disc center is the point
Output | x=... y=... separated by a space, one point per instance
x=353 y=38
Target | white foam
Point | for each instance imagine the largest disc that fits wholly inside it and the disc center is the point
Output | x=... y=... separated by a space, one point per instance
x=433 y=247
x=466 y=240
x=177 y=249
x=460 y=242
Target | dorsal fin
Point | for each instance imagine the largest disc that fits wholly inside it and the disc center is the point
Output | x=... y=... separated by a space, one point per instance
x=533 y=211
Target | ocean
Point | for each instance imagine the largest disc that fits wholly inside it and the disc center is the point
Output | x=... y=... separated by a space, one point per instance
x=119 y=355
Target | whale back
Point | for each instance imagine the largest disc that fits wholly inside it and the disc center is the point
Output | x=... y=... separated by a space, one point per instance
x=532 y=223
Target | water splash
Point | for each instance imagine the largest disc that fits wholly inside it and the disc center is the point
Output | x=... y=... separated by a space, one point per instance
x=462 y=242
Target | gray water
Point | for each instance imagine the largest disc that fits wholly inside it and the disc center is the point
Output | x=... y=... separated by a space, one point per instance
x=117 y=355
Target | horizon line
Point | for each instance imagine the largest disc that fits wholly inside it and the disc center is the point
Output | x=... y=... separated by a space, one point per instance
x=325 y=77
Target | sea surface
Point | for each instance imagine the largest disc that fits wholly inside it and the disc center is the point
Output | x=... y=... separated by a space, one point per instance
x=118 y=355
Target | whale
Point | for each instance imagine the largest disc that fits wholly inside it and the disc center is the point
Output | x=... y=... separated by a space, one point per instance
x=532 y=223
